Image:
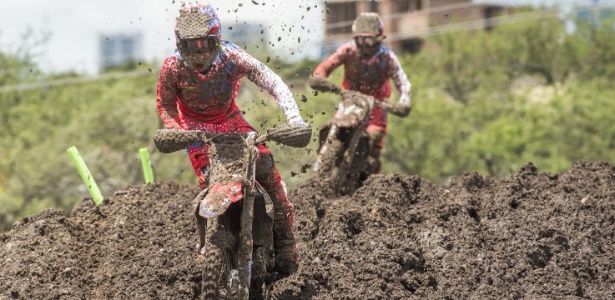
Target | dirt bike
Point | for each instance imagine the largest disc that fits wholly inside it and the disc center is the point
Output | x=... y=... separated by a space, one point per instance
x=234 y=214
x=344 y=143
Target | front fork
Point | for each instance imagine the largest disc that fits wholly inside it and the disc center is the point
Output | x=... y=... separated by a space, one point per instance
x=246 y=240
x=201 y=223
x=239 y=280
x=246 y=243
x=332 y=134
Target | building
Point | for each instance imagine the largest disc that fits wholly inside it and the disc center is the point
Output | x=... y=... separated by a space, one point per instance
x=119 y=49
x=407 y=22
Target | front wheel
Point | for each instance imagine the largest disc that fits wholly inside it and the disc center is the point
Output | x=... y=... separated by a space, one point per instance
x=216 y=262
x=356 y=172
x=330 y=159
x=260 y=256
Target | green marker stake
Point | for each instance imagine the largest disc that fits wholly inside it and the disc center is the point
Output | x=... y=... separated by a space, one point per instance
x=147 y=166
x=85 y=175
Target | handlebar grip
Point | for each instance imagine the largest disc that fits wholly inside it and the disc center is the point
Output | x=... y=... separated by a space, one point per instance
x=321 y=84
x=291 y=135
x=400 y=110
x=171 y=140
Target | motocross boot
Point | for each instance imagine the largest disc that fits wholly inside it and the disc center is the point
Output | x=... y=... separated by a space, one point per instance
x=285 y=247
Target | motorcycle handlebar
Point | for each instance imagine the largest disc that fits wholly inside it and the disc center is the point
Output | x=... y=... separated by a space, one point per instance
x=321 y=83
x=172 y=140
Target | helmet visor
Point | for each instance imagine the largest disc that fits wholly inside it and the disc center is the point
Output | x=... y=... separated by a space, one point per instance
x=202 y=45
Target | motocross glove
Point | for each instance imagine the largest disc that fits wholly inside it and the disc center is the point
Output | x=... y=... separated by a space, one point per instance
x=321 y=83
x=297 y=134
x=404 y=99
x=398 y=109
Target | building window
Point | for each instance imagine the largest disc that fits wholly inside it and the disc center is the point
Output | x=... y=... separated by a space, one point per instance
x=128 y=48
x=491 y=12
x=118 y=49
x=373 y=6
x=340 y=14
x=402 y=6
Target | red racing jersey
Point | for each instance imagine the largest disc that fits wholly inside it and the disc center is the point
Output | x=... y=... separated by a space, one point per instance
x=189 y=100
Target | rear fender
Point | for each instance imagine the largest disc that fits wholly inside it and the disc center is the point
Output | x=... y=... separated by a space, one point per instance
x=215 y=200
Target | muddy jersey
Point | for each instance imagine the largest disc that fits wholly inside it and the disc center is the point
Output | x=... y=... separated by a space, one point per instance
x=370 y=76
x=187 y=99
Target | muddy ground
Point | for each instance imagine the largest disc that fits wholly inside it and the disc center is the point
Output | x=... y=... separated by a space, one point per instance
x=531 y=236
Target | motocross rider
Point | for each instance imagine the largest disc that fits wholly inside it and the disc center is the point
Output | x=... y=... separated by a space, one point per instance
x=368 y=67
x=196 y=90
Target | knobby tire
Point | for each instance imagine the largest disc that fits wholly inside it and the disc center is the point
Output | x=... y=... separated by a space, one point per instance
x=216 y=266
x=330 y=159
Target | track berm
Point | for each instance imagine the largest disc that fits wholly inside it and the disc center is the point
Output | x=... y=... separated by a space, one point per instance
x=533 y=235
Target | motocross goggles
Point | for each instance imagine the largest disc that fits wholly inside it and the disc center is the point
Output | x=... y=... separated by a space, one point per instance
x=366 y=40
x=201 y=45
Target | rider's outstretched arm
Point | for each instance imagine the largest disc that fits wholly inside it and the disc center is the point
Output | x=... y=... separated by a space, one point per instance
x=403 y=107
x=318 y=80
x=327 y=66
x=266 y=79
x=166 y=95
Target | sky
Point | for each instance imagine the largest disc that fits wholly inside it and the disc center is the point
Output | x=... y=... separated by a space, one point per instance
x=75 y=26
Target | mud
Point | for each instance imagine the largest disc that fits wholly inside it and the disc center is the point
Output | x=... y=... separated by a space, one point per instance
x=320 y=83
x=531 y=236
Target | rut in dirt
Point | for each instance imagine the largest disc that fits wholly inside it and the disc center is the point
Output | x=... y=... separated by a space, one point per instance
x=533 y=235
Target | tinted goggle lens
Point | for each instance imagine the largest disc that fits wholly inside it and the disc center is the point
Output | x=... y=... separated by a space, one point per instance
x=365 y=41
x=201 y=45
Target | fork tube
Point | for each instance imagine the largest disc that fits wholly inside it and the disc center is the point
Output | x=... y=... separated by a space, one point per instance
x=350 y=153
x=244 y=257
x=352 y=148
x=333 y=129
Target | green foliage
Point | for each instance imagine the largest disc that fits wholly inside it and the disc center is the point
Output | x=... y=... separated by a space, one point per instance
x=497 y=136
x=596 y=58
x=518 y=105
x=17 y=61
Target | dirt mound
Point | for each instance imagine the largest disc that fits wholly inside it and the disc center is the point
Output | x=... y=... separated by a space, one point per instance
x=530 y=236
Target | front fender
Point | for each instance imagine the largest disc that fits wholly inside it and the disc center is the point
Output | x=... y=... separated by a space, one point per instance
x=215 y=200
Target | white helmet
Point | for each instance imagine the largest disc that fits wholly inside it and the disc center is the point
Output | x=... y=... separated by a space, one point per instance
x=367 y=31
